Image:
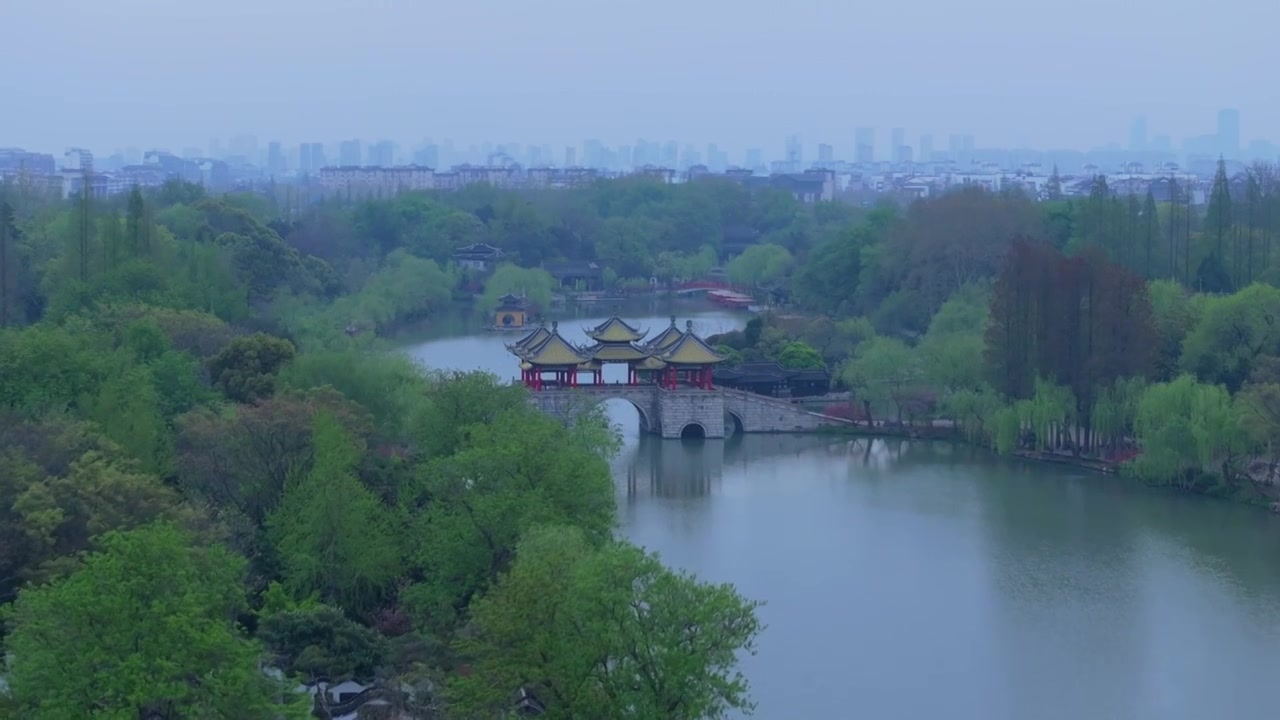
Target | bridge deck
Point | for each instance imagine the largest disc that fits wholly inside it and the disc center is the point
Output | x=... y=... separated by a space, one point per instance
x=669 y=411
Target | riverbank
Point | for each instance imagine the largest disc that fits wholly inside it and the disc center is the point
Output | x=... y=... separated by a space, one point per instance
x=1251 y=494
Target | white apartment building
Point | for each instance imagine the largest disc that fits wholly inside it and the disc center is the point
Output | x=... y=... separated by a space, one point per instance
x=376 y=181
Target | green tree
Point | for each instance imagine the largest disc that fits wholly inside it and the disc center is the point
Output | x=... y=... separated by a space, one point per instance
x=319 y=641
x=884 y=370
x=146 y=628
x=1187 y=430
x=1231 y=332
x=1150 y=234
x=456 y=401
x=799 y=356
x=137 y=237
x=1173 y=313
x=49 y=368
x=9 y=265
x=128 y=409
x=535 y=284
x=245 y=370
x=953 y=361
x=759 y=264
x=333 y=536
x=62 y=483
x=606 y=631
x=1218 y=215
x=1053 y=189
x=239 y=462
x=390 y=386
x=519 y=470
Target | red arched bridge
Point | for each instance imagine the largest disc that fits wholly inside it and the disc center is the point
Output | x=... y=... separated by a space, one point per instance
x=701 y=286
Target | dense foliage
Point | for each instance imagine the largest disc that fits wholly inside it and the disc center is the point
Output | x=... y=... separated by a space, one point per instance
x=204 y=471
x=193 y=406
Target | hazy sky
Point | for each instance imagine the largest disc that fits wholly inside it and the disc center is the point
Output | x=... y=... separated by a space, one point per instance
x=1066 y=73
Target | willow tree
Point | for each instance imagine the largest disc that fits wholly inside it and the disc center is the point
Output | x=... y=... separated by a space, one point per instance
x=1187 y=430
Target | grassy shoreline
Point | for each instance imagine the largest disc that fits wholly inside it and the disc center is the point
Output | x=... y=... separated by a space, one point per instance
x=1243 y=494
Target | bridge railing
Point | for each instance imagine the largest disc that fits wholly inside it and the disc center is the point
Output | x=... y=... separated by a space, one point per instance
x=779 y=402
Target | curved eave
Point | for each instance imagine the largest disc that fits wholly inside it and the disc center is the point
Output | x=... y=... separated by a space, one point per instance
x=651 y=363
x=691 y=351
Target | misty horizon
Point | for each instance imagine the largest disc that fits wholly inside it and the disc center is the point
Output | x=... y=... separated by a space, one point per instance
x=149 y=74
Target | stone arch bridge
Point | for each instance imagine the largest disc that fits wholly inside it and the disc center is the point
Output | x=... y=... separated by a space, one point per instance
x=681 y=412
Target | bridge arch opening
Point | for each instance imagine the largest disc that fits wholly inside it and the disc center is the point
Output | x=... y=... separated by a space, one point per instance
x=732 y=424
x=631 y=419
x=693 y=431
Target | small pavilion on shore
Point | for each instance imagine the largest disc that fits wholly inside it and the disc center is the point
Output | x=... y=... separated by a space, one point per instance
x=672 y=359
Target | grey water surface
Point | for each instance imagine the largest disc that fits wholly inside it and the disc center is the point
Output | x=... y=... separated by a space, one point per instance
x=931 y=580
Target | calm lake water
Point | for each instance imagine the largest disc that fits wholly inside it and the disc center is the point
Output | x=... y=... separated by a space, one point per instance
x=929 y=580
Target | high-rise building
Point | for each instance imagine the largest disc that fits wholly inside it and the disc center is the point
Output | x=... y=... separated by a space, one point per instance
x=1229 y=132
x=382 y=154
x=826 y=153
x=1138 y=134
x=593 y=154
x=571 y=157
x=795 y=153
x=897 y=141
x=245 y=147
x=864 y=145
x=349 y=154
x=670 y=154
x=275 y=158
x=78 y=160
x=427 y=156
x=755 y=158
x=16 y=161
x=926 y=149
x=717 y=159
x=311 y=158
x=690 y=157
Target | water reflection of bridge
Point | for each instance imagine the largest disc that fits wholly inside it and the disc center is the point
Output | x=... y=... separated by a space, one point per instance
x=692 y=468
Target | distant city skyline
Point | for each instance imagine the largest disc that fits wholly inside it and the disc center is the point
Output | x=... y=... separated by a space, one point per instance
x=899 y=145
x=741 y=74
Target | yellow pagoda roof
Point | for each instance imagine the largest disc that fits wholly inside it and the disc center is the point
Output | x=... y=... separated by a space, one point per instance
x=666 y=338
x=651 y=363
x=552 y=350
x=614 y=330
x=590 y=365
x=533 y=338
x=690 y=350
x=617 y=352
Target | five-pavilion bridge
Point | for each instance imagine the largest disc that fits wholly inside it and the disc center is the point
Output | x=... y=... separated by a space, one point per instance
x=672 y=359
